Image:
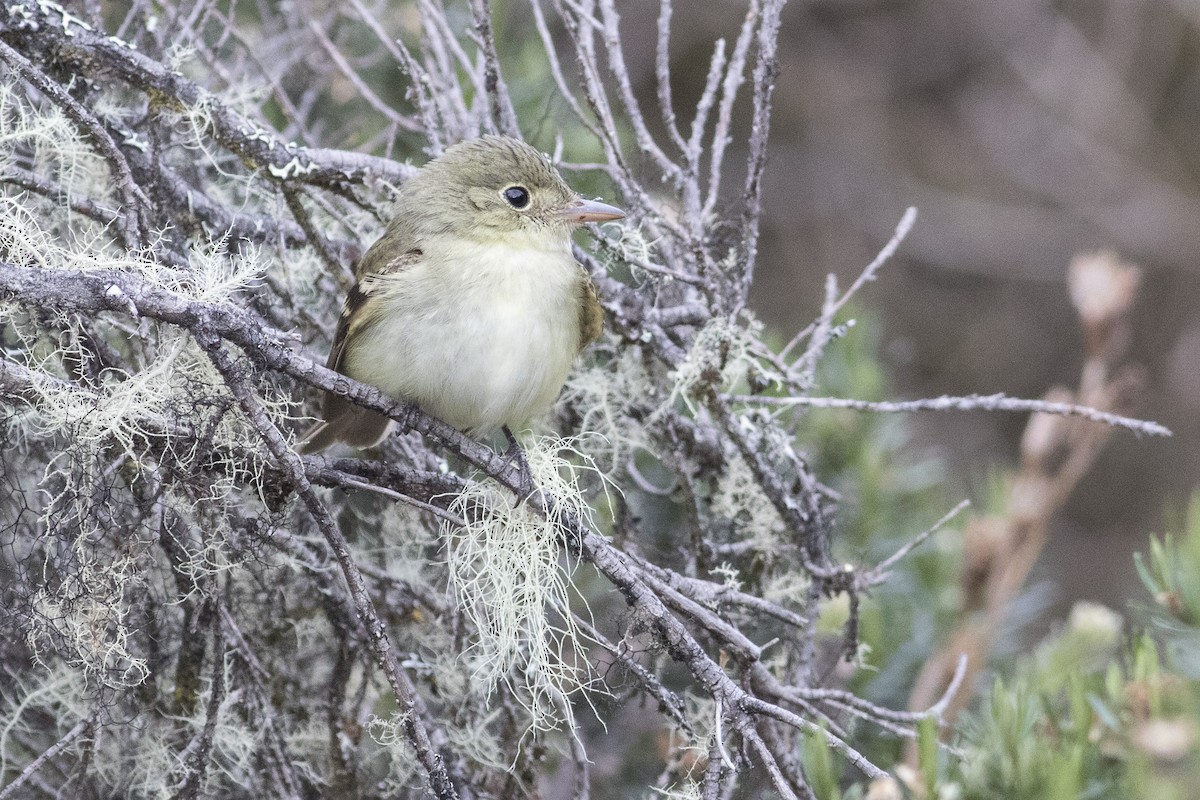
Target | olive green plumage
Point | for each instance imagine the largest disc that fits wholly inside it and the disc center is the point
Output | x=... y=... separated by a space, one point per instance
x=470 y=304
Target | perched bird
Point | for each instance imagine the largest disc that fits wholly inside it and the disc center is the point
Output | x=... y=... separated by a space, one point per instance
x=471 y=304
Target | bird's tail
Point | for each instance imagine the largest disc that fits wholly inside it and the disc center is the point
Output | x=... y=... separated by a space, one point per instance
x=316 y=439
x=356 y=427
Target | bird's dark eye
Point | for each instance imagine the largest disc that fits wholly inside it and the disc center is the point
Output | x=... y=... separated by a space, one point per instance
x=517 y=196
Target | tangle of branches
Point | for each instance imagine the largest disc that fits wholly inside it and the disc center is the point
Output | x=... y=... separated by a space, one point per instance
x=190 y=608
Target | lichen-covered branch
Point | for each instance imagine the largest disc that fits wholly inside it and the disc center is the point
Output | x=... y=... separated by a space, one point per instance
x=205 y=612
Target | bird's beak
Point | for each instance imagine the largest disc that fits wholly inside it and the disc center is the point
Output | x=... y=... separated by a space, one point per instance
x=589 y=211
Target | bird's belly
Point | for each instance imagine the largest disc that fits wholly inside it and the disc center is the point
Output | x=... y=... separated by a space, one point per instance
x=490 y=355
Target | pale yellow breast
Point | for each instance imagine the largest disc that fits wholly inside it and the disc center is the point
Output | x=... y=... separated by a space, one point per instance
x=479 y=335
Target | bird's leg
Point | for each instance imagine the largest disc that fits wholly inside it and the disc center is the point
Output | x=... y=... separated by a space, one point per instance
x=515 y=454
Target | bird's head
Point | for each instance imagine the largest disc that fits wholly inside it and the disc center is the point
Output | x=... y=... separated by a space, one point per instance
x=496 y=185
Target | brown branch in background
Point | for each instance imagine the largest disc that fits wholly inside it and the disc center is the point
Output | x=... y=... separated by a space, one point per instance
x=1056 y=452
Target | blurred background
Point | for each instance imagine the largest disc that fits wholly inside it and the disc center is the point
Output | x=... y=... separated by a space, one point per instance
x=1025 y=132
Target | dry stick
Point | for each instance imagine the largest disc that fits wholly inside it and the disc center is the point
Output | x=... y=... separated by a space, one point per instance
x=449 y=50
x=585 y=52
x=194 y=207
x=662 y=228
x=132 y=199
x=807 y=363
x=585 y=56
x=334 y=265
x=441 y=48
x=791 y=767
x=714 y=773
x=47 y=188
x=878 y=573
x=780 y=780
x=401 y=121
x=662 y=74
x=406 y=694
x=441 y=513
x=974 y=402
x=773 y=711
x=704 y=106
x=614 y=247
x=419 y=79
x=296 y=119
x=504 y=117
x=53 y=750
x=808 y=523
x=768 y=684
x=682 y=646
x=735 y=642
x=734 y=78
x=707 y=592
x=766 y=71
x=212 y=322
x=633 y=112
x=668 y=702
x=196 y=763
x=556 y=72
x=694 y=150
x=34 y=25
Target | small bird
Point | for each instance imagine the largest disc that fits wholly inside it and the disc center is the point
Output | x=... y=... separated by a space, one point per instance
x=470 y=304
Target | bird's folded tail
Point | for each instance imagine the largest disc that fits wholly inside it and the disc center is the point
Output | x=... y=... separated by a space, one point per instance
x=355 y=426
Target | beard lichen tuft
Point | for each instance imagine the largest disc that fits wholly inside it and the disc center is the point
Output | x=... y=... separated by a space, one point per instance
x=511 y=579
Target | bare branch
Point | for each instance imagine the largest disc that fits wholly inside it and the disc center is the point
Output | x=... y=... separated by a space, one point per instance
x=131 y=197
x=80 y=728
x=974 y=402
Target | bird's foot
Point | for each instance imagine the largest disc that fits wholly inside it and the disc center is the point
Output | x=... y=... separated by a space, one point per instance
x=515 y=456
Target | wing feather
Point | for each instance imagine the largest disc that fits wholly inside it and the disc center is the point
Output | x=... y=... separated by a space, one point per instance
x=591 y=313
x=344 y=421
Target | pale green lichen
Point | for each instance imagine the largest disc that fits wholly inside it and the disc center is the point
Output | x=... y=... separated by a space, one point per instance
x=511 y=579
x=719 y=357
x=605 y=395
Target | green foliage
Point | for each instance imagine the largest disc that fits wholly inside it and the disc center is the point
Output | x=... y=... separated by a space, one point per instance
x=1171 y=574
x=1026 y=742
x=1124 y=731
x=890 y=494
x=1088 y=713
x=1094 y=711
x=819 y=767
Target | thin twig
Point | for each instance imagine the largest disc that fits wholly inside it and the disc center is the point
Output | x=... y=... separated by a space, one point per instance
x=877 y=573
x=132 y=198
x=974 y=402
x=79 y=729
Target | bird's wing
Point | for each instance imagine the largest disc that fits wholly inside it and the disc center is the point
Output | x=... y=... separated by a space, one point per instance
x=344 y=421
x=591 y=313
x=358 y=312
